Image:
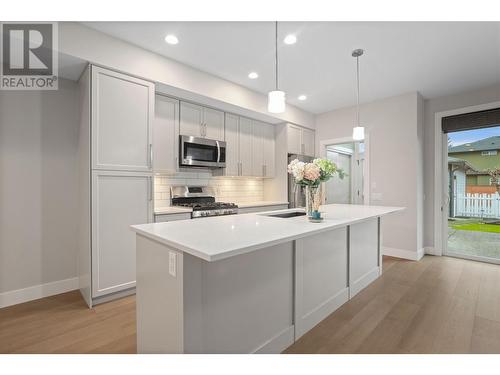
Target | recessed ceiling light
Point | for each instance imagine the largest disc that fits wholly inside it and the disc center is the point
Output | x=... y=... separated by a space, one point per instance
x=171 y=39
x=253 y=75
x=290 y=39
x=302 y=97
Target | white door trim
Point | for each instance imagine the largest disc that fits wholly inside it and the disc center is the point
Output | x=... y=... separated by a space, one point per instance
x=366 y=163
x=440 y=167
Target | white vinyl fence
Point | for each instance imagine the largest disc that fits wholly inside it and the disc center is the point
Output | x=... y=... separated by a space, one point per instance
x=477 y=205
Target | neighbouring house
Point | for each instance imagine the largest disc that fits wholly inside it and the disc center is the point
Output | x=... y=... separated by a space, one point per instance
x=457 y=172
x=481 y=156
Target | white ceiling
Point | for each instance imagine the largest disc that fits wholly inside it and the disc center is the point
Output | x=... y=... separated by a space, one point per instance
x=434 y=58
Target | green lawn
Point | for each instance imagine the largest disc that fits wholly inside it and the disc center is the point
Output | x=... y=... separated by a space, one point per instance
x=476 y=227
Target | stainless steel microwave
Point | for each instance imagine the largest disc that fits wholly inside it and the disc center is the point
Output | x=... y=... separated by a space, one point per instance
x=201 y=152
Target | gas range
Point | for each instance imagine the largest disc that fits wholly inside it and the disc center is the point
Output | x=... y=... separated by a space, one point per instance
x=202 y=200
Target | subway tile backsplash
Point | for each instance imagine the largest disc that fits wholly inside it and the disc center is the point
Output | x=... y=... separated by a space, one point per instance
x=227 y=189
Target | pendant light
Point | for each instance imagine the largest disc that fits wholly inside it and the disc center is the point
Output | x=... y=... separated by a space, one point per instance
x=358 y=132
x=276 y=98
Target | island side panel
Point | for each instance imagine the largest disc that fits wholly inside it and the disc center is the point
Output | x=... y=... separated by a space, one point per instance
x=321 y=277
x=159 y=296
x=364 y=255
x=243 y=304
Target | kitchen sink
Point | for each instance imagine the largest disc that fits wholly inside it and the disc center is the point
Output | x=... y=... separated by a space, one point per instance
x=286 y=215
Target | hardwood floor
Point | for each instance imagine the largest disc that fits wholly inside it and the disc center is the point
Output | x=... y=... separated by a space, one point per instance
x=437 y=305
x=64 y=324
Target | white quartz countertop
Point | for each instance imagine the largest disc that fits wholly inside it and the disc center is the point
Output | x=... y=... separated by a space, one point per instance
x=172 y=210
x=261 y=204
x=179 y=210
x=220 y=237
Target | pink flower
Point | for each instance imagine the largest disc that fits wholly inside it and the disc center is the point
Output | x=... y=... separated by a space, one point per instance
x=311 y=171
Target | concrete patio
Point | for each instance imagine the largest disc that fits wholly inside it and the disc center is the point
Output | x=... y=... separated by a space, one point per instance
x=481 y=244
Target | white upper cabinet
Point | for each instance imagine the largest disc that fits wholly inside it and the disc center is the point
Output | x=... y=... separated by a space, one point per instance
x=200 y=121
x=294 y=136
x=250 y=147
x=269 y=150
x=300 y=140
x=165 y=134
x=257 y=149
x=213 y=121
x=263 y=149
x=232 y=145
x=245 y=146
x=308 y=142
x=191 y=120
x=122 y=117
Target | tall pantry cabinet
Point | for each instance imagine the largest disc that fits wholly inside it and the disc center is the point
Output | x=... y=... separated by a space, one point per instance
x=116 y=178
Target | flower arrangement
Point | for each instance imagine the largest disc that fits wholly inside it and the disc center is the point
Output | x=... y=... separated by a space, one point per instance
x=311 y=175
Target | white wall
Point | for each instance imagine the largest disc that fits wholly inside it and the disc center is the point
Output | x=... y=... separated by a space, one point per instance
x=431 y=107
x=38 y=186
x=171 y=76
x=395 y=156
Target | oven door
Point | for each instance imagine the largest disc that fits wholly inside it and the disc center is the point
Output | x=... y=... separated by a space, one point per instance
x=201 y=152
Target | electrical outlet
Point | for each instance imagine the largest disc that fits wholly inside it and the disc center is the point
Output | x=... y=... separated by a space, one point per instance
x=172 y=263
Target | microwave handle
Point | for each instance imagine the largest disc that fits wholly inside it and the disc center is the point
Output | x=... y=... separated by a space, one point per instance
x=218 y=151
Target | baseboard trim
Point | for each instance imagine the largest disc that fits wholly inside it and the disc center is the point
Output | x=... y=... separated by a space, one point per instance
x=31 y=293
x=278 y=343
x=358 y=285
x=404 y=254
x=310 y=319
x=113 y=296
x=431 y=250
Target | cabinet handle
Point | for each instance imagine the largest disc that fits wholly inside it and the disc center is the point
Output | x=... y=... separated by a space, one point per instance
x=150 y=189
x=151 y=155
x=201 y=129
x=240 y=171
x=265 y=170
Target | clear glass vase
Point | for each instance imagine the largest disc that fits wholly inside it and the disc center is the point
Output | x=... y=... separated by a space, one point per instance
x=312 y=194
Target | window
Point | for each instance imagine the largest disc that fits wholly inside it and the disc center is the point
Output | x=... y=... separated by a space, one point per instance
x=489 y=153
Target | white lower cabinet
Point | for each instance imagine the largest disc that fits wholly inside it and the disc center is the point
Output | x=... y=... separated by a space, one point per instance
x=120 y=199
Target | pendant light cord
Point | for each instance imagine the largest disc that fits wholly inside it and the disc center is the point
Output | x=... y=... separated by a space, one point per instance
x=357 y=96
x=276 y=56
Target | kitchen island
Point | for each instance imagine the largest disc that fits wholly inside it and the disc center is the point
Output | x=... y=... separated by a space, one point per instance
x=251 y=283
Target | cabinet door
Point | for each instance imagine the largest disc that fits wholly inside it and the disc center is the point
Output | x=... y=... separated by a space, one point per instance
x=191 y=119
x=164 y=134
x=120 y=199
x=268 y=144
x=232 y=145
x=122 y=118
x=308 y=142
x=294 y=136
x=246 y=147
x=257 y=148
x=213 y=121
